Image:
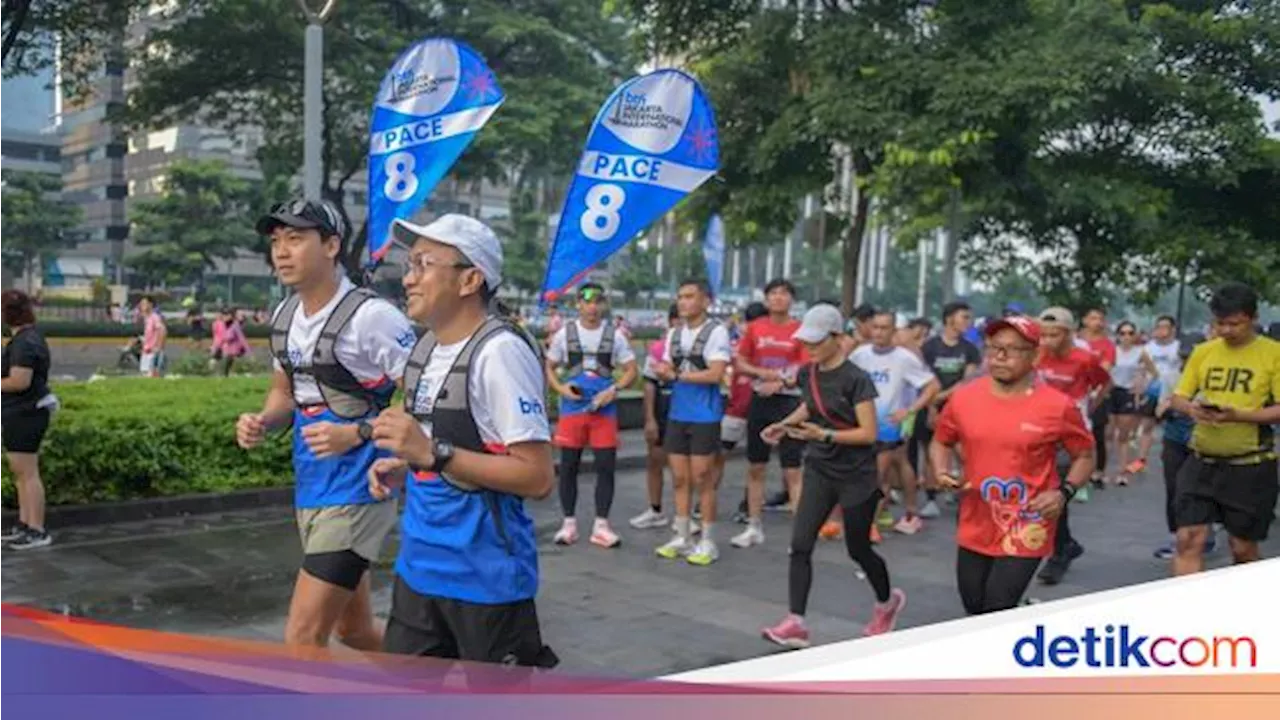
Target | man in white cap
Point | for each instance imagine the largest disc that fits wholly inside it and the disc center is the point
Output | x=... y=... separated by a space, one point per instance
x=471 y=442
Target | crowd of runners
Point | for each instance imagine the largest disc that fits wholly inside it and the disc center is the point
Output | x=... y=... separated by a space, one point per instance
x=877 y=428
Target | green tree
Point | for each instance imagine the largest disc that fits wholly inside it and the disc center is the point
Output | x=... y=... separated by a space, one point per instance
x=238 y=63
x=37 y=224
x=635 y=272
x=203 y=215
x=78 y=37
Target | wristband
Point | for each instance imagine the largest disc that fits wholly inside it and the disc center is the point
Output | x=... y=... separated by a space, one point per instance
x=829 y=437
x=1068 y=491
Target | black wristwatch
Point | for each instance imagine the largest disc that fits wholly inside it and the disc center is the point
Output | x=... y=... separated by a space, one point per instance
x=1068 y=491
x=443 y=454
x=365 y=431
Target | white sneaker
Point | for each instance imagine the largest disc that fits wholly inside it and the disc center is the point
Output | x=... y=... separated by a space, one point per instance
x=603 y=535
x=895 y=496
x=648 y=519
x=568 y=534
x=751 y=536
x=930 y=510
x=704 y=553
x=675 y=547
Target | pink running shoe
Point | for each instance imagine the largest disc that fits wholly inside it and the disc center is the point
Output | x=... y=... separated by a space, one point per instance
x=790 y=633
x=568 y=533
x=885 y=615
x=604 y=536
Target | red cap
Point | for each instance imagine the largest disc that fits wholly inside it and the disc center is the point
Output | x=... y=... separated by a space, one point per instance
x=1028 y=328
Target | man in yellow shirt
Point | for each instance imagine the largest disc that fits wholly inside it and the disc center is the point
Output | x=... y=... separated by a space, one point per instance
x=1231 y=388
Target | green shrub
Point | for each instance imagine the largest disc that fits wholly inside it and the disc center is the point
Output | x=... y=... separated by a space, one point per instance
x=180 y=329
x=126 y=438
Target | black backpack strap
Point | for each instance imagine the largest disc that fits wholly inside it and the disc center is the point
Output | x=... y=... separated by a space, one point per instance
x=418 y=359
x=698 y=353
x=280 y=326
x=573 y=349
x=673 y=344
x=339 y=319
x=604 y=353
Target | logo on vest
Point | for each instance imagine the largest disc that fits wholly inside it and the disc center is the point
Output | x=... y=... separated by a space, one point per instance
x=531 y=407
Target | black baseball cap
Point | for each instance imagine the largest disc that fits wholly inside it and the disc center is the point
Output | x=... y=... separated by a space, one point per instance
x=305 y=215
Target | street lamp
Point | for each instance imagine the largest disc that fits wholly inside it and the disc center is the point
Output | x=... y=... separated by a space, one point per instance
x=312 y=97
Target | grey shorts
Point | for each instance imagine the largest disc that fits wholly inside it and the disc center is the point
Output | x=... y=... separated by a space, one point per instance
x=358 y=528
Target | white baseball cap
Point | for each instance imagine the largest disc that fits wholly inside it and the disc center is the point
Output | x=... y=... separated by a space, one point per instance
x=475 y=240
x=820 y=323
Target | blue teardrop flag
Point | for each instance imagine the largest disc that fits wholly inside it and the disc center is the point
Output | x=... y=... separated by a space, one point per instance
x=431 y=104
x=653 y=142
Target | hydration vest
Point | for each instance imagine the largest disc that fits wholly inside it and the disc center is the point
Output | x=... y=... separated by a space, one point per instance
x=697 y=354
x=341 y=391
x=604 y=353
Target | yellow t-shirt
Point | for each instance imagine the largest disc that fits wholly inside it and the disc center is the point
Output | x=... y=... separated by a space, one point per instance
x=1245 y=378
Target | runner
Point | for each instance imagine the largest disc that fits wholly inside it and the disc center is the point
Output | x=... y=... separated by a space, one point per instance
x=1231 y=389
x=474 y=436
x=893 y=370
x=657 y=404
x=952 y=359
x=1176 y=448
x=1132 y=372
x=1165 y=351
x=837 y=418
x=1079 y=374
x=696 y=357
x=771 y=355
x=590 y=350
x=339 y=351
x=1008 y=427
x=28 y=406
x=1093 y=337
x=733 y=429
x=154 y=335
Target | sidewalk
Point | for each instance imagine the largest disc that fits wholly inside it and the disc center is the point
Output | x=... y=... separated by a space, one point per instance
x=607 y=612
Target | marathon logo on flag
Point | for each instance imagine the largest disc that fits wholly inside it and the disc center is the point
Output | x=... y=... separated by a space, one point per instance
x=653 y=142
x=432 y=102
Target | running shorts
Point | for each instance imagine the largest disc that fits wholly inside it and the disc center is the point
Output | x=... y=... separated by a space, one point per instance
x=358 y=528
x=1242 y=496
x=24 y=430
x=686 y=438
x=583 y=430
x=765 y=411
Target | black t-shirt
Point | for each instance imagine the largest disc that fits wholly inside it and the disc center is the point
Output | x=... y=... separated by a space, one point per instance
x=948 y=361
x=27 y=349
x=840 y=391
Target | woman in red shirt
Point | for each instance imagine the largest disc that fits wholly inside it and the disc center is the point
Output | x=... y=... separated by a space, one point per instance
x=1008 y=427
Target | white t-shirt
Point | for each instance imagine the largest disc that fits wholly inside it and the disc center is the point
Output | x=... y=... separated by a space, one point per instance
x=507 y=390
x=590 y=341
x=1128 y=364
x=717 y=348
x=374 y=345
x=893 y=372
x=1165 y=357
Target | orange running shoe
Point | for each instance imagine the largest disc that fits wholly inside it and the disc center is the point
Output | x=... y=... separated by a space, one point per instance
x=830 y=530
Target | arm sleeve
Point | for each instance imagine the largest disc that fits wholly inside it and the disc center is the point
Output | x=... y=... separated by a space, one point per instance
x=1189 y=383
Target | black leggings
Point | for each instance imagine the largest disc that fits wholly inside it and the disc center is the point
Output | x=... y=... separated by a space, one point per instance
x=1171 y=458
x=1099 y=421
x=990 y=584
x=817 y=498
x=606 y=467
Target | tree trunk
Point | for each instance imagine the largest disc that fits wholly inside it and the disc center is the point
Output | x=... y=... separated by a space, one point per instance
x=852 y=240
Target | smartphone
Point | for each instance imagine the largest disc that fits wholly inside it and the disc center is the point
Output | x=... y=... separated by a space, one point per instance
x=1211 y=407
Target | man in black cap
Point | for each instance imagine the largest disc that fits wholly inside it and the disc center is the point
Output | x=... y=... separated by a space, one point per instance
x=339 y=352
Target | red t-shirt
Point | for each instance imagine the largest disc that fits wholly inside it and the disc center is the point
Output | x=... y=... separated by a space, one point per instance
x=769 y=345
x=1009 y=446
x=1103 y=349
x=1076 y=374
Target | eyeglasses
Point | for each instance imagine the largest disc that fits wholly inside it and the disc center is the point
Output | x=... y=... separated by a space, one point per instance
x=1008 y=350
x=421 y=262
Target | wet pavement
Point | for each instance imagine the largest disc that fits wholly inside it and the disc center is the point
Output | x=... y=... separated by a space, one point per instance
x=615 y=612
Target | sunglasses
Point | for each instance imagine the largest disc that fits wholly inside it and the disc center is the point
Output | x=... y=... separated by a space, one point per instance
x=590 y=294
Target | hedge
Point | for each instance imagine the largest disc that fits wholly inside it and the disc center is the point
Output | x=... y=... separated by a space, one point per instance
x=126 y=438
x=178 y=329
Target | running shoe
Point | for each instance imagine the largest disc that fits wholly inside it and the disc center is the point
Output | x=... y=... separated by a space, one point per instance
x=1122 y=480
x=675 y=547
x=31 y=539
x=1136 y=466
x=778 y=501
x=1211 y=543
x=741 y=517
x=909 y=525
x=603 y=535
x=1166 y=551
x=568 y=533
x=14 y=531
x=885 y=615
x=753 y=535
x=704 y=553
x=1082 y=495
x=790 y=633
x=930 y=510
x=885 y=519
x=830 y=530
x=895 y=496
x=648 y=519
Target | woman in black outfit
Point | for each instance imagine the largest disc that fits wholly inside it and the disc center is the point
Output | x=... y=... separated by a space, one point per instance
x=838 y=421
x=27 y=405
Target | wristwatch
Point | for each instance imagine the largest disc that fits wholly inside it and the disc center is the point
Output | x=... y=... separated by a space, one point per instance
x=828 y=437
x=443 y=454
x=365 y=431
x=1068 y=491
